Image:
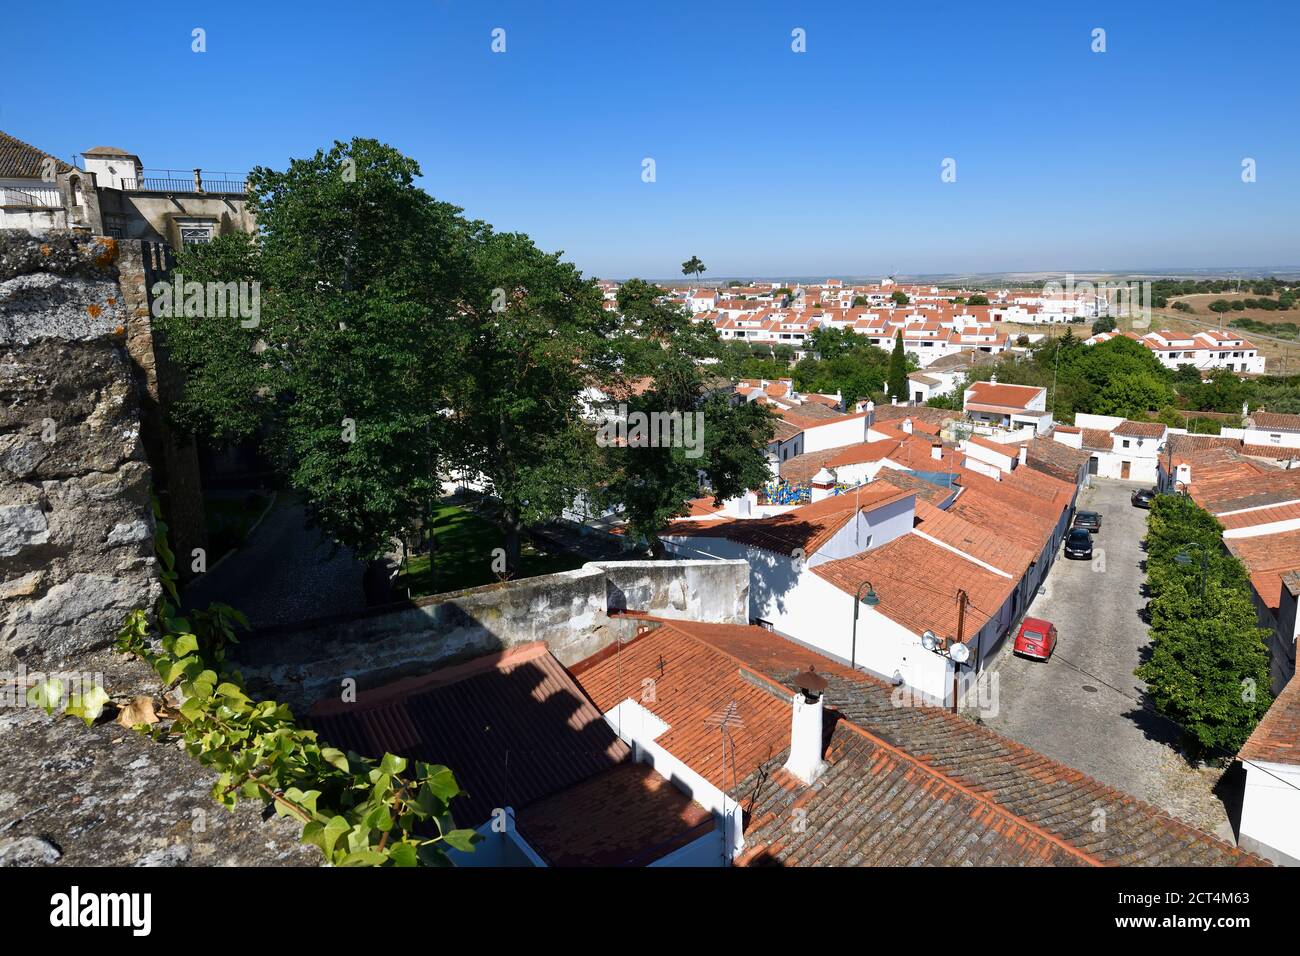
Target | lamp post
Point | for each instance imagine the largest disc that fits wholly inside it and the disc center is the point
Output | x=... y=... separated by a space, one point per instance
x=1185 y=559
x=871 y=600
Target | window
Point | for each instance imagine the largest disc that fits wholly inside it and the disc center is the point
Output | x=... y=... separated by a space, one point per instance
x=194 y=231
x=1125 y=443
x=115 y=226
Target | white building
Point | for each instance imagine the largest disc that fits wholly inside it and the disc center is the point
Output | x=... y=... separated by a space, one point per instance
x=1206 y=350
x=1272 y=429
x=1270 y=805
x=1009 y=407
x=1119 y=448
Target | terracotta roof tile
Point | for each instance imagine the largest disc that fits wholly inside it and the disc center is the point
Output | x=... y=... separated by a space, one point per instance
x=1134 y=429
x=1276 y=421
x=808 y=527
x=514 y=728
x=1004 y=396
x=1097 y=438
x=918 y=581
x=1276 y=739
x=627 y=816
x=1046 y=808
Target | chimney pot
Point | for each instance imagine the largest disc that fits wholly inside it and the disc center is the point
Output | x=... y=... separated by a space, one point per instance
x=806 y=711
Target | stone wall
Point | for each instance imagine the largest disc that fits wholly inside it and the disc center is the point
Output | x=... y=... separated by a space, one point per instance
x=76 y=528
x=173 y=456
x=569 y=611
x=76 y=554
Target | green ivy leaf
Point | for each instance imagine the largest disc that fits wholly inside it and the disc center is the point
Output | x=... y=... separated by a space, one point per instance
x=403 y=854
x=186 y=644
x=334 y=758
x=392 y=764
x=88 y=706
x=46 y=695
x=462 y=840
x=332 y=832
x=442 y=782
x=364 y=858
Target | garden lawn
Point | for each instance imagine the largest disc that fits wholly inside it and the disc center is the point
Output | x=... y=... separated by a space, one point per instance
x=463 y=546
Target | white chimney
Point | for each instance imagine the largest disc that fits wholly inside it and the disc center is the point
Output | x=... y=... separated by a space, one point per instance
x=1183 y=475
x=1024 y=454
x=993 y=379
x=936 y=451
x=807 y=706
x=822 y=483
x=907 y=426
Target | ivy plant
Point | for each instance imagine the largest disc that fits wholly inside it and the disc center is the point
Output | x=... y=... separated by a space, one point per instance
x=358 y=811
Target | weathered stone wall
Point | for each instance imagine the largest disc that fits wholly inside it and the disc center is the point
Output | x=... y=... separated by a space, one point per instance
x=76 y=548
x=173 y=457
x=76 y=554
x=569 y=611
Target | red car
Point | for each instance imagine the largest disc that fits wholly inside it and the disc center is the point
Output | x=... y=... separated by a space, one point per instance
x=1037 y=638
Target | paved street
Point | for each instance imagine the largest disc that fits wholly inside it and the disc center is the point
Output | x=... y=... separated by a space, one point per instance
x=1082 y=707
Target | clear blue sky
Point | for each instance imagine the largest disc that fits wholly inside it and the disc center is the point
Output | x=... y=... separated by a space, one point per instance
x=768 y=162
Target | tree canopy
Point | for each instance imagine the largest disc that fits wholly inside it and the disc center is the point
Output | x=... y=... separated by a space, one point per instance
x=1208 y=666
x=398 y=340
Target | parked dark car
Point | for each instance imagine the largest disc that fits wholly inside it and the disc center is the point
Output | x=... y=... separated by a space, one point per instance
x=1088 y=521
x=1142 y=497
x=1078 y=544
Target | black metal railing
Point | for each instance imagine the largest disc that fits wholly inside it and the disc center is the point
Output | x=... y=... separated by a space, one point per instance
x=186 y=181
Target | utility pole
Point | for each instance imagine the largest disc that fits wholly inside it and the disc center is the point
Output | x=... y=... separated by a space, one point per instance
x=961 y=623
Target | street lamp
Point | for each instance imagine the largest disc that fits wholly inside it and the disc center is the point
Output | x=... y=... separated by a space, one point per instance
x=871 y=599
x=1185 y=560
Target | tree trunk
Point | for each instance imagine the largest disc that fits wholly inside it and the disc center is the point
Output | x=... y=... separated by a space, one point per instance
x=376 y=582
x=512 y=542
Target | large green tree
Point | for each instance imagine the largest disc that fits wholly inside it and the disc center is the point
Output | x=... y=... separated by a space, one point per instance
x=360 y=274
x=535 y=335
x=898 y=369
x=722 y=446
x=1208 y=666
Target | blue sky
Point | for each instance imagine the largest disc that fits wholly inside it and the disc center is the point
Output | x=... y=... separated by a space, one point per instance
x=768 y=162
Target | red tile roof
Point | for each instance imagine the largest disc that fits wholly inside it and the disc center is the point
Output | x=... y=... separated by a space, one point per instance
x=1133 y=429
x=979 y=542
x=513 y=727
x=692 y=687
x=864 y=452
x=1275 y=421
x=1004 y=396
x=918 y=582
x=1098 y=438
x=807 y=528
x=628 y=816
x=1030 y=806
x=1276 y=739
x=1268 y=557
